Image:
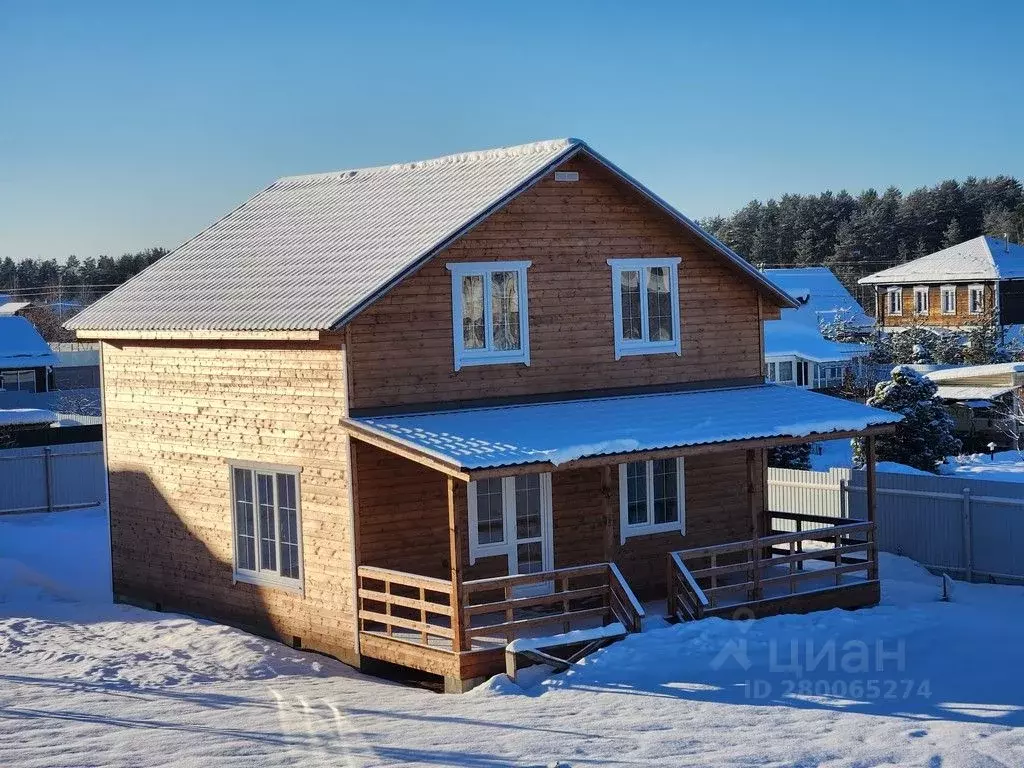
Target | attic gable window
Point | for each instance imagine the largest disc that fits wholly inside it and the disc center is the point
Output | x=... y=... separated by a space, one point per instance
x=894 y=301
x=489 y=313
x=645 y=302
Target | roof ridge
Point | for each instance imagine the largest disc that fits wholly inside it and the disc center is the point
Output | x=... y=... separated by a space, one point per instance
x=517 y=150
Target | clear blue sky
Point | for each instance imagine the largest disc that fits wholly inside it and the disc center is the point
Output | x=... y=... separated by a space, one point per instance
x=125 y=125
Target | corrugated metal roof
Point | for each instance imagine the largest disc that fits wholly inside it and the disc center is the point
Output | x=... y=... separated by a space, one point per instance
x=971 y=371
x=309 y=252
x=559 y=432
x=983 y=258
x=970 y=393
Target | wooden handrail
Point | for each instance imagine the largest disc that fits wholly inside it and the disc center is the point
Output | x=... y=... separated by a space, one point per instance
x=384 y=611
x=524 y=579
x=403 y=577
x=632 y=612
x=782 y=538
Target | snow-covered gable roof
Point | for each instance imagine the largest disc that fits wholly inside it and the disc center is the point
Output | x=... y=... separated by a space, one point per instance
x=309 y=252
x=788 y=338
x=983 y=258
x=822 y=297
x=964 y=393
x=560 y=432
x=21 y=346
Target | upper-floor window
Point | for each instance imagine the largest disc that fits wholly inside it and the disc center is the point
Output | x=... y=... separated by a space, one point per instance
x=645 y=300
x=267 y=528
x=894 y=301
x=921 y=300
x=652 y=497
x=18 y=381
x=489 y=313
x=976 y=299
x=949 y=299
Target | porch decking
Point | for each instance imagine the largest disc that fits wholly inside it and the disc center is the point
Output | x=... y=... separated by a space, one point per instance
x=461 y=630
x=827 y=562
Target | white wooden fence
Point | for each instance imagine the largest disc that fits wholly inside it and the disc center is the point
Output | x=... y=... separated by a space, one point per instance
x=971 y=529
x=51 y=478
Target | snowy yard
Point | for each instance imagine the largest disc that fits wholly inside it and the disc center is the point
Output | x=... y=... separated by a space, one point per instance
x=1005 y=466
x=914 y=682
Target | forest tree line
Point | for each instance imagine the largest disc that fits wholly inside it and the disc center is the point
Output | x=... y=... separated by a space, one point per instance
x=858 y=235
x=74 y=279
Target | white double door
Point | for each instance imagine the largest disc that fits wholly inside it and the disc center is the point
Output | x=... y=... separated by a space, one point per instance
x=526 y=525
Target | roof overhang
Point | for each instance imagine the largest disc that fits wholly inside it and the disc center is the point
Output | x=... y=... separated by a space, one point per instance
x=475 y=443
x=194 y=335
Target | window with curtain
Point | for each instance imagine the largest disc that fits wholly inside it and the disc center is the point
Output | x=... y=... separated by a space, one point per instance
x=489 y=312
x=645 y=303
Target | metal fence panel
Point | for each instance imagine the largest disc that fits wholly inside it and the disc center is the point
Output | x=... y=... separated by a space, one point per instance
x=55 y=477
x=971 y=528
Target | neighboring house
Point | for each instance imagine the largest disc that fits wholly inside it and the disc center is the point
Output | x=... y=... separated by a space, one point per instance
x=987 y=402
x=13 y=307
x=26 y=360
x=78 y=366
x=980 y=280
x=796 y=353
x=412 y=413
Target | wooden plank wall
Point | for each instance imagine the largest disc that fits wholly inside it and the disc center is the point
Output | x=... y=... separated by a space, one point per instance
x=935 y=318
x=403 y=518
x=175 y=415
x=401 y=347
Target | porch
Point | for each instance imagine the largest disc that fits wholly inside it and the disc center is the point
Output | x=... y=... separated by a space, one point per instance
x=461 y=551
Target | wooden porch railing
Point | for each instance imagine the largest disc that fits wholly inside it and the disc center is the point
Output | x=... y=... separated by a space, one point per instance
x=405 y=606
x=705 y=579
x=565 y=597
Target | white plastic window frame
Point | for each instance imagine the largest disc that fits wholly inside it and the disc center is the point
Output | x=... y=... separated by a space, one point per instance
x=972 y=291
x=488 y=355
x=641 y=346
x=889 y=303
x=628 y=531
x=509 y=540
x=921 y=291
x=947 y=290
x=261 y=577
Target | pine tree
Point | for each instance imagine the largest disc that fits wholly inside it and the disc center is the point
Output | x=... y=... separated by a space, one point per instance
x=797 y=456
x=925 y=436
x=952 y=234
x=981 y=345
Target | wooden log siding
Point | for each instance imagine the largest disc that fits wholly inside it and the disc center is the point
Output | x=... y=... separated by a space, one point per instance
x=401 y=347
x=175 y=415
x=935 y=318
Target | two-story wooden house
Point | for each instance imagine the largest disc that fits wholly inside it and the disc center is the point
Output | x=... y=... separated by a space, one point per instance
x=411 y=413
x=978 y=281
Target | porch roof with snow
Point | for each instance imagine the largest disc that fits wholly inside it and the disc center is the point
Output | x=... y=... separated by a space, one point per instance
x=467 y=442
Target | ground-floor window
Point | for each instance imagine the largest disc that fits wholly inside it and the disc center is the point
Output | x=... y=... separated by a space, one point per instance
x=18 y=381
x=267 y=526
x=511 y=516
x=652 y=497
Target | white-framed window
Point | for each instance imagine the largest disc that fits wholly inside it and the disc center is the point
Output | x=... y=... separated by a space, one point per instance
x=645 y=302
x=785 y=372
x=921 y=300
x=894 y=300
x=266 y=525
x=652 y=497
x=18 y=381
x=772 y=373
x=949 y=299
x=512 y=516
x=976 y=299
x=490 y=316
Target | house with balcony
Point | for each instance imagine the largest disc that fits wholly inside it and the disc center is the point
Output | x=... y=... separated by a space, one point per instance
x=431 y=412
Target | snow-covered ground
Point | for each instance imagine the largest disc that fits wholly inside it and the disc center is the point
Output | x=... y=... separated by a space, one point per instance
x=913 y=682
x=1006 y=466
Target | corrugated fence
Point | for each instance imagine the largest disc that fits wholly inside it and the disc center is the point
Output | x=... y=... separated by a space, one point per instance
x=51 y=478
x=972 y=529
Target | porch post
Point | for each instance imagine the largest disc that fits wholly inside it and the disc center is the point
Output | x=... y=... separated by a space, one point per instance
x=755 y=519
x=609 y=510
x=872 y=493
x=455 y=527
